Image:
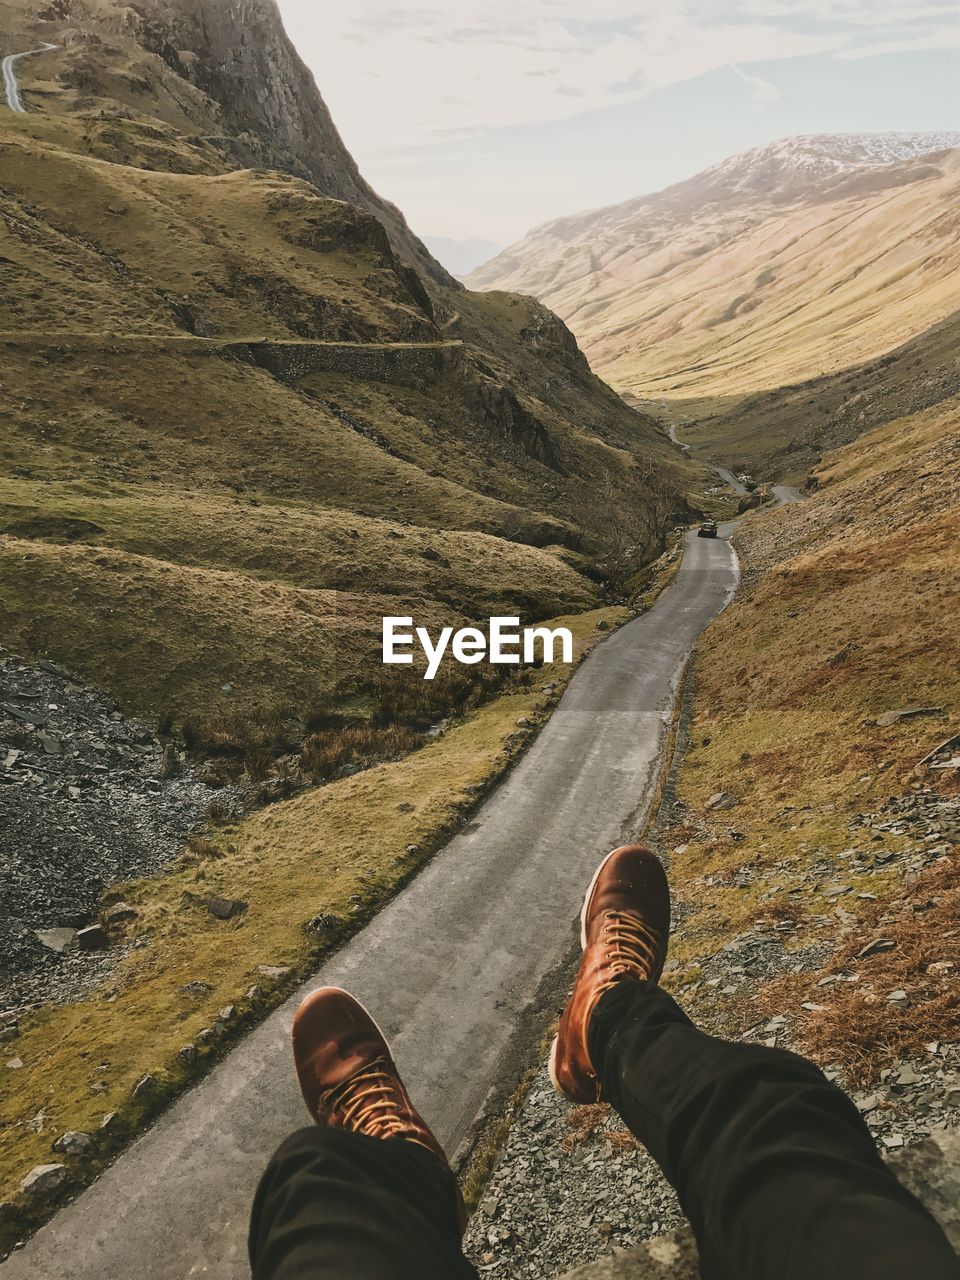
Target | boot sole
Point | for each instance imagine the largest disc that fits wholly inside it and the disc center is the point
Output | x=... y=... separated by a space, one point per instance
x=589 y=894
x=552 y=1064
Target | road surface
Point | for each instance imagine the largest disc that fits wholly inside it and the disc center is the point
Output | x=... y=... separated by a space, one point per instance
x=8 y=69
x=449 y=968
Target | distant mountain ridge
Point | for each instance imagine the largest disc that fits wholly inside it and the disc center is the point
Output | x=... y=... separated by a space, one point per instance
x=787 y=166
x=787 y=262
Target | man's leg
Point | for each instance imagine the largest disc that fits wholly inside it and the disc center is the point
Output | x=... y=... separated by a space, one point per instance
x=773 y=1164
x=346 y=1206
x=367 y=1194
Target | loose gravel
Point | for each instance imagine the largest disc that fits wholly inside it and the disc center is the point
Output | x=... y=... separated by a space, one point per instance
x=84 y=803
x=565 y=1193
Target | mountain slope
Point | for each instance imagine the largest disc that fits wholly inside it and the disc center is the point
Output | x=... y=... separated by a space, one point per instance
x=239 y=426
x=790 y=262
x=226 y=75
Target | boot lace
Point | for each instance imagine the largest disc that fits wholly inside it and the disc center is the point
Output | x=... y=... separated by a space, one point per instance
x=630 y=945
x=369 y=1102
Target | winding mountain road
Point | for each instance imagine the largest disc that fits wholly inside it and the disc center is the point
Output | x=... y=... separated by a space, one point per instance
x=8 y=70
x=451 y=968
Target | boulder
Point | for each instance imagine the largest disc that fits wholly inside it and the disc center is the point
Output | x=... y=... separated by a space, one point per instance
x=93 y=938
x=73 y=1143
x=43 y=1181
x=721 y=800
x=906 y=713
x=225 y=908
x=144 y=1088
x=120 y=913
x=58 y=940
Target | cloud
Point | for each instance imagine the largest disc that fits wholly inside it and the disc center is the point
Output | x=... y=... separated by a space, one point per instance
x=471 y=66
x=940 y=38
x=763 y=90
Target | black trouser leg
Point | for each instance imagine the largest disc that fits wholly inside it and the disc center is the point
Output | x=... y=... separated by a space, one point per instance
x=348 y=1207
x=772 y=1164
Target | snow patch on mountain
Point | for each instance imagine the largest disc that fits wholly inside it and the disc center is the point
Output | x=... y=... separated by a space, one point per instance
x=795 y=161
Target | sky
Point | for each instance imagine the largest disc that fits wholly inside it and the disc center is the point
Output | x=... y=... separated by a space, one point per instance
x=484 y=119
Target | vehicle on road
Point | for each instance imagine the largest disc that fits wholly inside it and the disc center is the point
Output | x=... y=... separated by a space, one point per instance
x=708 y=529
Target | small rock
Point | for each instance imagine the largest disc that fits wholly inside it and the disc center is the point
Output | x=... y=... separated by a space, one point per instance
x=144 y=1088
x=120 y=913
x=93 y=938
x=44 y=1181
x=326 y=923
x=14 y=1064
x=721 y=800
x=196 y=988
x=9 y=1032
x=225 y=908
x=875 y=947
x=187 y=1055
x=274 y=971
x=227 y=1012
x=108 y=1122
x=898 y=997
x=73 y=1143
x=603 y=625
x=58 y=940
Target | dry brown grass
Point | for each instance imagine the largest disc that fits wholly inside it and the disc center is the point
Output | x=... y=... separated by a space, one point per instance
x=846 y=611
x=749 y=297
x=583 y=1123
x=858 y=1028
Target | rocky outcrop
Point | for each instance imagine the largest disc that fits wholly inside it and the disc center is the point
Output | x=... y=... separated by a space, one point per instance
x=239 y=54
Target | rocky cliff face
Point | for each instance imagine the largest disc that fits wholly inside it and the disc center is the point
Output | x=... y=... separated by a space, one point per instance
x=240 y=57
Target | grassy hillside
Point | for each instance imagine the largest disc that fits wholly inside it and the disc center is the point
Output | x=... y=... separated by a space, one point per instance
x=747 y=296
x=238 y=425
x=756 y=306
x=783 y=434
x=847 y=612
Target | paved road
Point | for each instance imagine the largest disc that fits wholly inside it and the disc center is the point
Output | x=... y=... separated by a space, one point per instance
x=448 y=968
x=8 y=69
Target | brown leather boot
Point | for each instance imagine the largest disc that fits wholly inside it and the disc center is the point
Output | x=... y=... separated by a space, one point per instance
x=348 y=1077
x=624 y=928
